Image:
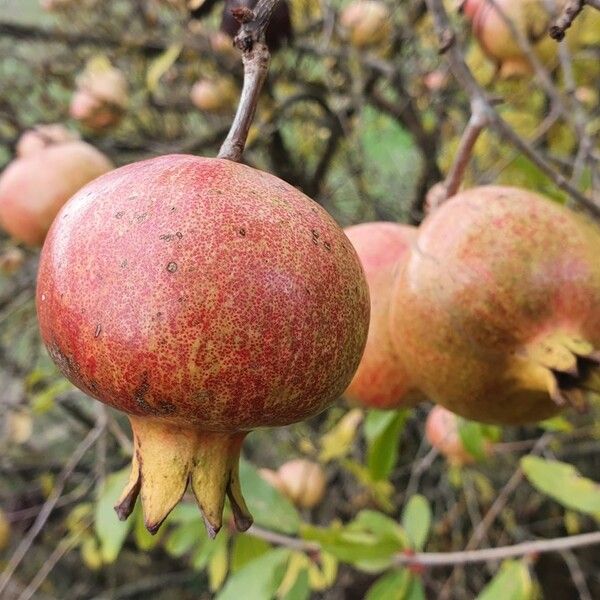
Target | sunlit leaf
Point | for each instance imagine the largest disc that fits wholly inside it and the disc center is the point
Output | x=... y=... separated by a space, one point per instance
x=337 y=442
x=416 y=520
x=382 y=432
x=245 y=549
x=391 y=586
x=563 y=483
x=218 y=564
x=512 y=582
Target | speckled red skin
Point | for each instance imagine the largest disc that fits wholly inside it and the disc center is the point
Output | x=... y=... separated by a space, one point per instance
x=494 y=270
x=34 y=188
x=202 y=292
x=381 y=381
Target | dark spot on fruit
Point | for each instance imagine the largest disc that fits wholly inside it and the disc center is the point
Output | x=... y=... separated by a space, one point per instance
x=120 y=214
x=167 y=237
x=172 y=267
x=124 y=263
x=179 y=234
x=159 y=315
x=173 y=208
x=327 y=246
x=242 y=232
x=139 y=394
x=98 y=330
x=140 y=218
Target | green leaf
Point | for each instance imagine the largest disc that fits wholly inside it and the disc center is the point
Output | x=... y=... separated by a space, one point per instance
x=259 y=579
x=352 y=546
x=160 y=65
x=338 y=441
x=563 y=483
x=382 y=430
x=512 y=582
x=473 y=439
x=379 y=524
x=392 y=586
x=245 y=549
x=110 y=531
x=186 y=512
x=416 y=520
x=301 y=588
x=557 y=423
x=269 y=508
x=218 y=562
x=416 y=590
x=182 y=539
x=143 y=538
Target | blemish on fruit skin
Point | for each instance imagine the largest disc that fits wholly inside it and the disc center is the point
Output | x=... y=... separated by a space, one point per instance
x=242 y=232
x=98 y=330
x=172 y=267
x=119 y=215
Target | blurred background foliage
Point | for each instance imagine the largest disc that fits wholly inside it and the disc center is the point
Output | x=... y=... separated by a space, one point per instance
x=365 y=133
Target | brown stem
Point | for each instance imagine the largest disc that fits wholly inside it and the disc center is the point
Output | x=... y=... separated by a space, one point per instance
x=256 y=57
x=477 y=123
x=568 y=14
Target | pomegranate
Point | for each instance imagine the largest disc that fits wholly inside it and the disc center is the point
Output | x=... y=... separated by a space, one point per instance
x=381 y=381
x=366 y=23
x=204 y=298
x=43 y=136
x=496 y=314
x=530 y=17
x=303 y=482
x=214 y=95
x=33 y=188
x=272 y=478
x=101 y=96
x=443 y=433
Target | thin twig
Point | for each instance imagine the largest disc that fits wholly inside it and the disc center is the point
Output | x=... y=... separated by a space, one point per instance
x=283 y=540
x=568 y=14
x=256 y=58
x=45 y=512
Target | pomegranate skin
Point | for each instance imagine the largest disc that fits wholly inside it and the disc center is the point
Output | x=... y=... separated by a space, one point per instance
x=34 y=188
x=381 y=380
x=496 y=315
x=204 y=298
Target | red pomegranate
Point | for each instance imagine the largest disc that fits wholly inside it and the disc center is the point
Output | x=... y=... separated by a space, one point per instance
x=496 y=314
x=443 y=433
x=381 y=381
x=33 y=188
x=203 y=298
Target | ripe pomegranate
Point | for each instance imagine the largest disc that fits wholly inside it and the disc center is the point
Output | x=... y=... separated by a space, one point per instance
x=366 y=23
x=496 y=315
x=381 y=381
x=204 y=298
x=33 y=188
x=442 y=432
x=43 y=136
x=214 y=95
x=303 y=482
x=530 y=17
x=101 y=96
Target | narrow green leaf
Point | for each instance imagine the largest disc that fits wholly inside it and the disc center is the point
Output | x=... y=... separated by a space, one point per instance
x=512 y=582
x=563 y=483
x=259 y=579
x=160 y=65
x=110 y=531
x=416 y=591
x=382 y=431
x=391 y=586
x=416 y=520
x=472 y=437
x=269 y=508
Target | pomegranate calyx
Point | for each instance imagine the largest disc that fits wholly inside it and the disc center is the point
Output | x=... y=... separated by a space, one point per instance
x=167 y=456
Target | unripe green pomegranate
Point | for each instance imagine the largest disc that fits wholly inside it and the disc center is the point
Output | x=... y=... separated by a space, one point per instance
x=381 y=380
x=496 y=314
x=204 y=299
